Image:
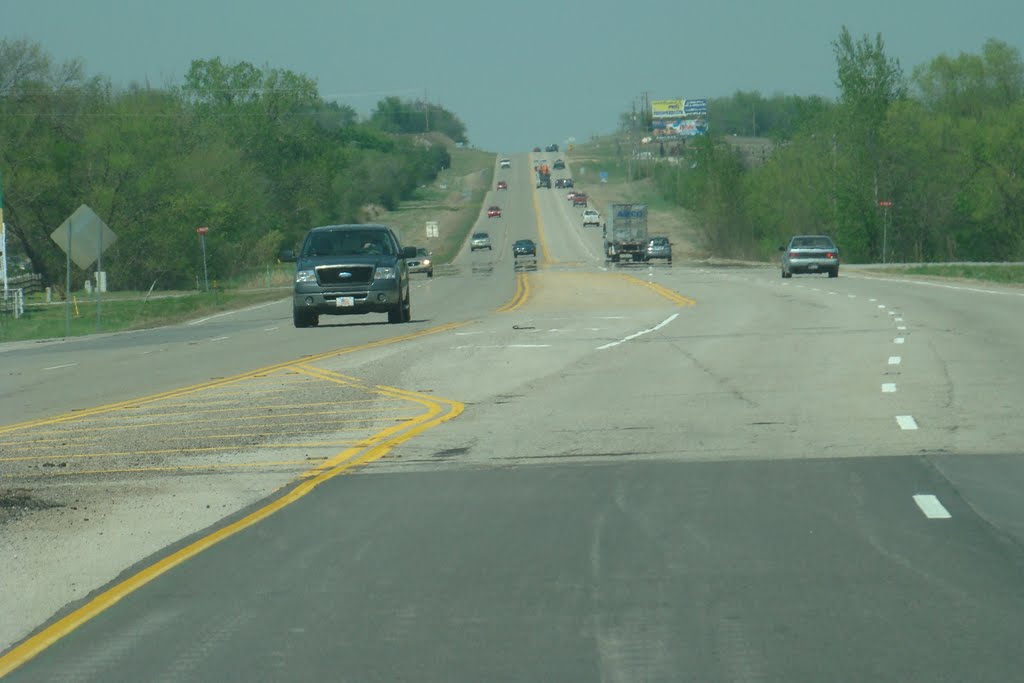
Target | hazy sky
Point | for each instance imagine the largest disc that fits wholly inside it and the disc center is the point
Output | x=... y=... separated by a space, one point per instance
x=519 y=73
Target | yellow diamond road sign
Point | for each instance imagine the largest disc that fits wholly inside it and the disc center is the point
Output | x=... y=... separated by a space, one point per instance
x=90 y=236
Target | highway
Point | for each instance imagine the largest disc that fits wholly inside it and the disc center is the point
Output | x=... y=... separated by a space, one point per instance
x=558 y=471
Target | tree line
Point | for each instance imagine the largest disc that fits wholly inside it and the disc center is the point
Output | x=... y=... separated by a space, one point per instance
x=255 y=154
x=921 y=167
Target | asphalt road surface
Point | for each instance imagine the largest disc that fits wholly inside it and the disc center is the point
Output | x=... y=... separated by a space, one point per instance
x=561 y=472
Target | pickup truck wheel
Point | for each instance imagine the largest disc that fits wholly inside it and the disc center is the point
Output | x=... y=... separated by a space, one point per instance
x=834 y=272
x=302 y=318
x=395 y=315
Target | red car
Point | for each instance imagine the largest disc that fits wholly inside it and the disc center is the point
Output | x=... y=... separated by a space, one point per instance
x=494 y=212
x=502 y=185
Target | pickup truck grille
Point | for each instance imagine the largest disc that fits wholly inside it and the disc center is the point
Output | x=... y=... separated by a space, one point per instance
x=344 y=275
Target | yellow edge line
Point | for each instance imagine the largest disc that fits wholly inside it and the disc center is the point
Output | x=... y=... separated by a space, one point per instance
x=99 y=410
x=440 y=411
x=673 y=296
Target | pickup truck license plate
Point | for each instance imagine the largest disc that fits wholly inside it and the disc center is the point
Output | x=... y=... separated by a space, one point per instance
x=345 y=301
x=813 y=266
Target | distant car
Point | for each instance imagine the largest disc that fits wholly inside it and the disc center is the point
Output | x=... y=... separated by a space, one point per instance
x=536 y=149
x=579 y=199
x=494 y=212
x=480 y=240
x=558 y=165
x=658 y=247
x=810 y=254
x=524 y=248
x=559 y=182
x=505 y=163
x=551 y=148
x=591 y=217
x=502 y=185
x=570 y=194
x=568 y=182
x=422 y=263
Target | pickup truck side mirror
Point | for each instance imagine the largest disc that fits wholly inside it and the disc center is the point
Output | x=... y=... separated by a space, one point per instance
x=408 y=252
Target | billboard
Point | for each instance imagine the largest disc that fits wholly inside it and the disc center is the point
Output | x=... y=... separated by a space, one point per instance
x=677 y=109
x=679 y=118
x=679 y=128
x=666 y=109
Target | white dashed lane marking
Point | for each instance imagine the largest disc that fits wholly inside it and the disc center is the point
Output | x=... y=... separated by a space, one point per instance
x=888 y=388
x=931 y=507
x=898 y=340
x=906 y=422
x=895 y=360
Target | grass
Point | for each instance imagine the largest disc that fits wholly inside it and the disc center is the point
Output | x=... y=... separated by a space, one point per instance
x=127 y=311
x=453 y=200
x=1012 y=274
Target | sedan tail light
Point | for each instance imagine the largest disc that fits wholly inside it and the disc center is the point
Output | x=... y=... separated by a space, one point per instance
x=794 y=254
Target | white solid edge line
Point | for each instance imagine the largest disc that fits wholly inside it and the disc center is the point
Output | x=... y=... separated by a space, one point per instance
x=888 y=388
x=61 y=367
x=641 y=333
x=906 y=422
x=895 y=360
x=931 y=507
x=240 y=310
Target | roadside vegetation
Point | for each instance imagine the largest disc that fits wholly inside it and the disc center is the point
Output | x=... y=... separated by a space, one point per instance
x=254 y=154
x=924 y=167
x=1010 y=274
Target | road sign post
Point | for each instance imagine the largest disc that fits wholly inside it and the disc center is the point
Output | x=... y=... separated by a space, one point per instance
x=886 y=205
x=202 y=230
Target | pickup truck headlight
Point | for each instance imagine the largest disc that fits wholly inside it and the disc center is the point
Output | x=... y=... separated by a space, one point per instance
x=385 y=273
x=426 y=262
x=305 y=276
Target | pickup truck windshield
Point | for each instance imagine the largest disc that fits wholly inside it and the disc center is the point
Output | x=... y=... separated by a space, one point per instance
x=347 y=243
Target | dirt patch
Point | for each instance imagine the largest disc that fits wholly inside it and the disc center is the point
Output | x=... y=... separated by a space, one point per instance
x=16 y=502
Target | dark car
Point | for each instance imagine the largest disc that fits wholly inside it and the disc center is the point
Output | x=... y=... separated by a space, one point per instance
x=558 y=165
x=536 y=149
x=559 y=182
x=494 y=212
x=502 y=185
x=351 y=269
x=568 y=182
x=551 y=148
x=810 y=254
x=579 y=199
x=524 y=248
x=422 y=263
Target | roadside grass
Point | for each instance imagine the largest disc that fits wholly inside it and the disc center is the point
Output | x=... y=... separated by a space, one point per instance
x=1011 y=274
x=127 y=311
x=453 y=200
x=605 y=154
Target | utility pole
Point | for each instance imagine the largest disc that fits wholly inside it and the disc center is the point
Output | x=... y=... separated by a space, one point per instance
x=426 y=111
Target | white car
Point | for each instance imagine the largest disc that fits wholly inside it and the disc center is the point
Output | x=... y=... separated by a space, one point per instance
x=505 y=163
x=591 y=217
